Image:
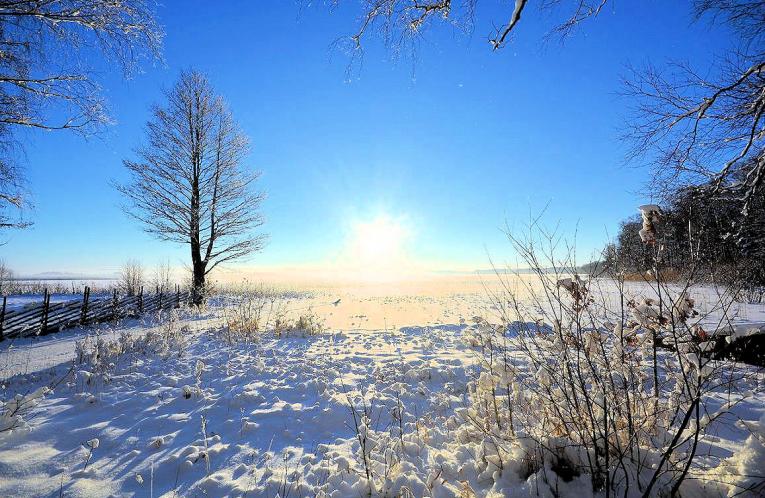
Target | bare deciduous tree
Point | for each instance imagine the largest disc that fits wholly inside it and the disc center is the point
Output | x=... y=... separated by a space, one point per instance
x=398 y=21
x=131 y=277
x=163 y=276
x=45 y=83
x=6 y=279
x=190 y=185
x=12 y=198
x=708 y=129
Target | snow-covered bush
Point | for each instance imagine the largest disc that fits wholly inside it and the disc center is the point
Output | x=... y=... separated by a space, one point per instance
x=253 y=314
x=249 y=315
x=572 y=389
x=15 y=412
x=383 y=459
x=306 y=324
x=98 y=356
x=752 y=293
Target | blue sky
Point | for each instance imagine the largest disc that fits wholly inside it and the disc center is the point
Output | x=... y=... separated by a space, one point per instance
x=449 y=145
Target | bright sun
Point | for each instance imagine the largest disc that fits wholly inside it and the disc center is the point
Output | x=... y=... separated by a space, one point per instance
x=377 y=248
x=378 y=239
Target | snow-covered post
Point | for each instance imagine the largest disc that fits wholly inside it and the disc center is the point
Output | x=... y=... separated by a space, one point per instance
x=2 y=318
x=44 y=317
x=140 y=301
x=85 y=298
x=114 y=305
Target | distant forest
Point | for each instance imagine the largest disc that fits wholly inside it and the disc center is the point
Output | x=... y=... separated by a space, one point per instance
x=702 y=235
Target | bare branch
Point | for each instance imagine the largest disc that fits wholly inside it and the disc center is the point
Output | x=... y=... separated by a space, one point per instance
x=45 y=81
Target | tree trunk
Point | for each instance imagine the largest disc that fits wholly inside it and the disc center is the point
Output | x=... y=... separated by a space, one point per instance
x=198 y=291
x=198 y=265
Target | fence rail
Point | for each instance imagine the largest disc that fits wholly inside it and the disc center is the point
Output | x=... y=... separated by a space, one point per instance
x=45 y=318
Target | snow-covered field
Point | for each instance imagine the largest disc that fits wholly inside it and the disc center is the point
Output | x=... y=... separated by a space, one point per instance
x=377 y=396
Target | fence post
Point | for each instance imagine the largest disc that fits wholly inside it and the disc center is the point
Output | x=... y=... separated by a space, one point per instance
x=140 y=301
x=177 y=296
x=2 y=318
x=159 y=304
x=44 y=318
x=85 y=298
x=114 y=305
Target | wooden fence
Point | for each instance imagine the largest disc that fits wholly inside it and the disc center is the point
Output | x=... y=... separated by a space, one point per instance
x=44 y=317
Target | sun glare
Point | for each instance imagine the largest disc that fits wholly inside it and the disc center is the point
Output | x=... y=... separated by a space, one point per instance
x=378 y=239
x=377 y=248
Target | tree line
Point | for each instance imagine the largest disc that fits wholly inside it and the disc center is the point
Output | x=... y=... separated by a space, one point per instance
x=700 y=234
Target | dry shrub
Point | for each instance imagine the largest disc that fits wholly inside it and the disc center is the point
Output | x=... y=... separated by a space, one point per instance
x=16 y=411
x=305 y=325
x=250 y=314
x=580 y=383
x=99 y=356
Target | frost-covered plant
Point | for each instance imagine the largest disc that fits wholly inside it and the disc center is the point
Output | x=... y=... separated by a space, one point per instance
x=203 y=420
x=381 y=450
x=577 y=385
x=378 y=459
x=256 y=313
x=752 y=293
x=15 y=412
x=91 y=444
x=171 y=339
x=250 y=315
x=98 y=356
x=650 y=214
x=306 y=324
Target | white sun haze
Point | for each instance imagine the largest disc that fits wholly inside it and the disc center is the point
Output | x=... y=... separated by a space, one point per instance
x=377 y=248
x=378 y=240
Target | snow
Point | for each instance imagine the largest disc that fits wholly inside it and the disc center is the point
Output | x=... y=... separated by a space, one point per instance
x=27 y=300
x=162 y=407
x=269 y=409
